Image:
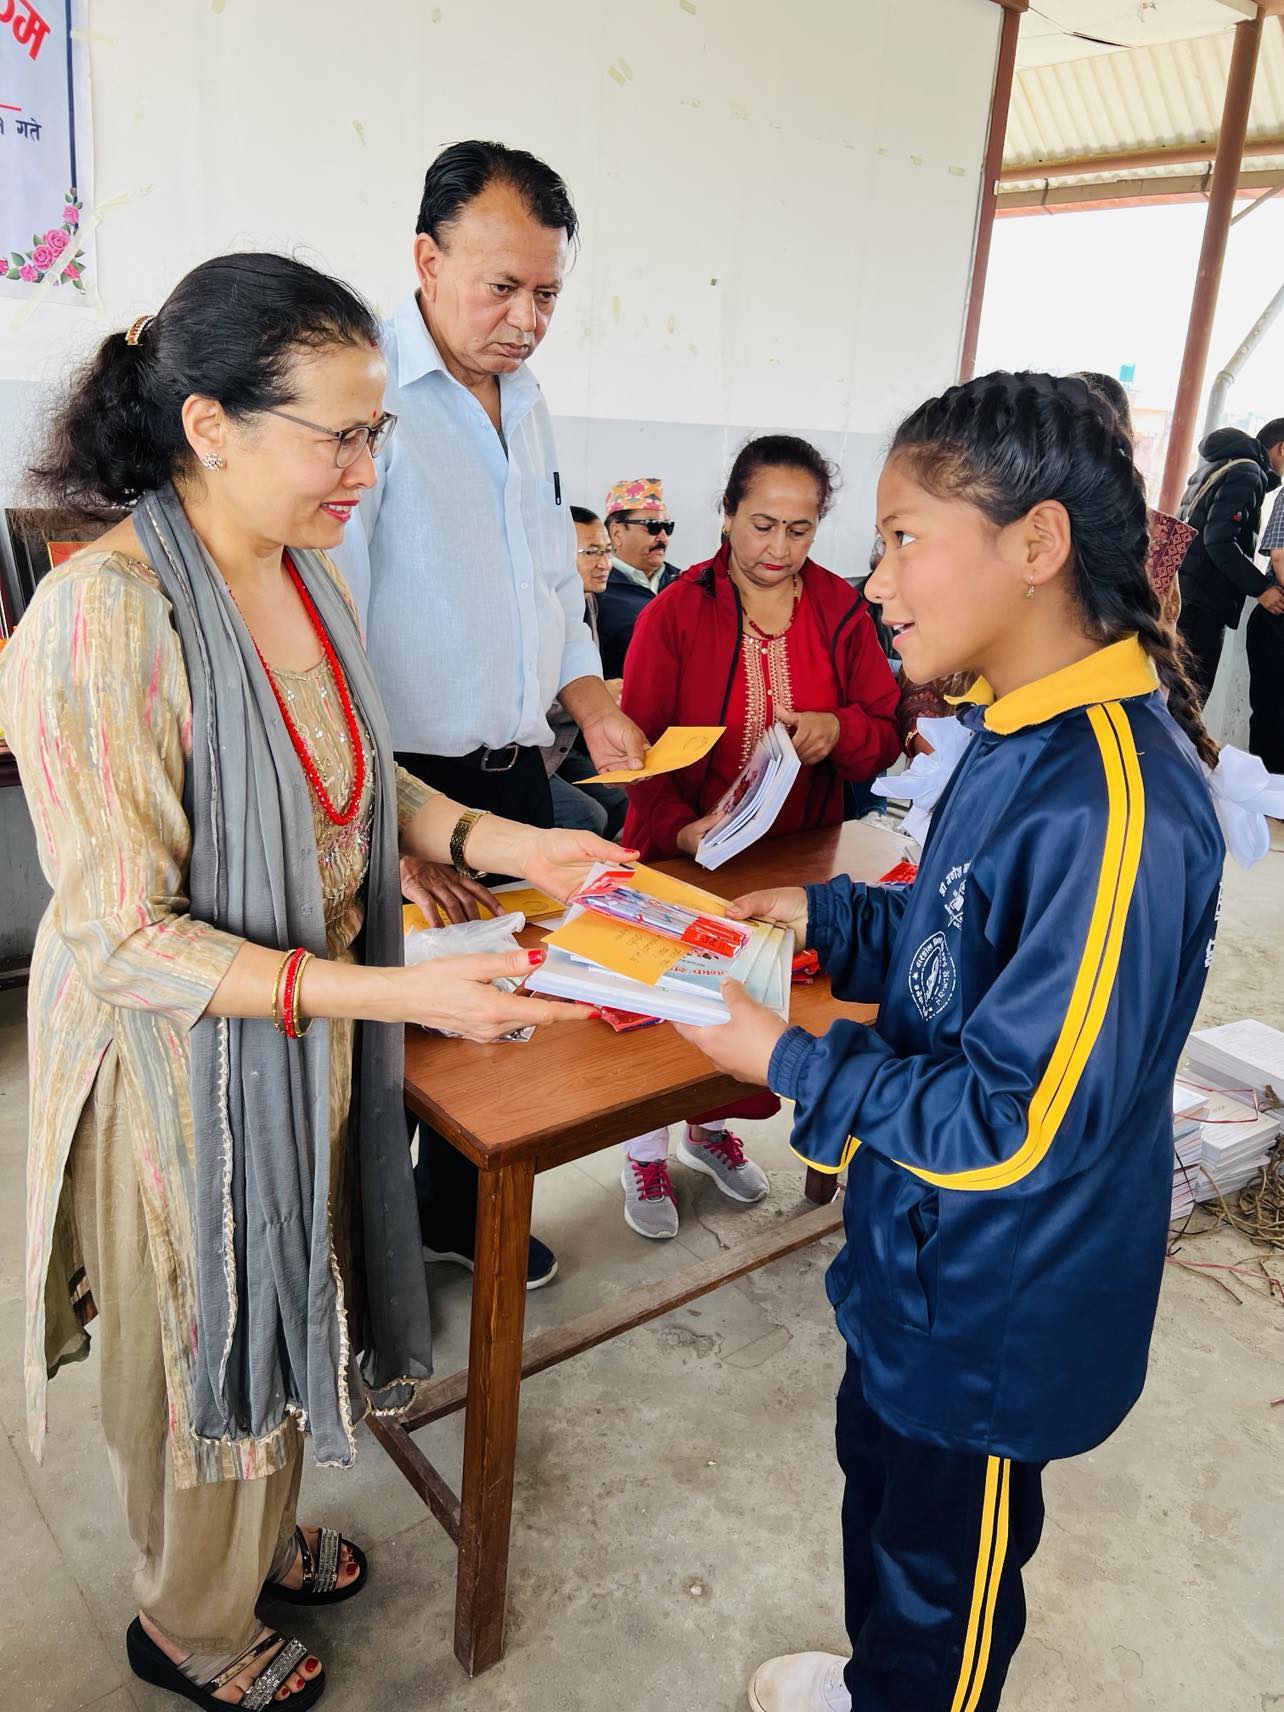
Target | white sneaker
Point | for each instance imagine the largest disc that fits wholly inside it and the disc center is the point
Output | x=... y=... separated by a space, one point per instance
x=800 y=1682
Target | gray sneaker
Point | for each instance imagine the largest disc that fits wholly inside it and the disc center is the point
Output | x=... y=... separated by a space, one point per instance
x=724 y=1160
x=650 y=1207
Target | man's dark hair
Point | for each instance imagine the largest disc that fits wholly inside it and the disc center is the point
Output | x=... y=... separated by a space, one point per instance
x=582 y=514
x=1272 y=433
x=462 y=171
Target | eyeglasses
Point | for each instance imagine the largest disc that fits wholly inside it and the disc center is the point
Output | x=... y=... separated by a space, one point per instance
x=593 y=552
x=652 y=525
x=349 y=443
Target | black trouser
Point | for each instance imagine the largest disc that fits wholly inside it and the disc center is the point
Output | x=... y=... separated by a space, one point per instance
x=934 y=1542
x=1202 y=632
x=1266 y=687
x=446 y=1182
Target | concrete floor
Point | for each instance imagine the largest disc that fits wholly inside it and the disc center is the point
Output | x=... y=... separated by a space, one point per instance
x=677 y=1501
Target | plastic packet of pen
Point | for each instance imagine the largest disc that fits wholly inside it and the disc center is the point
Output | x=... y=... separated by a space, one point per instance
x=426 y=945
x=610 y=894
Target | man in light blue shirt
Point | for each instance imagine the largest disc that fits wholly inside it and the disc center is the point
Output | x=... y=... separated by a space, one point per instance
x=463 y=559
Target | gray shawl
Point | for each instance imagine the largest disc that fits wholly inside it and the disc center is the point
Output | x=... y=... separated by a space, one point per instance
x=273 y=1334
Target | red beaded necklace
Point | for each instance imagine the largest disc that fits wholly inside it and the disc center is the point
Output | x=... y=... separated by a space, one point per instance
x=337 y=817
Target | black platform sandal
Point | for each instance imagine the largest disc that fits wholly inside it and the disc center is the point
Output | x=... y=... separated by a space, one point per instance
x=320 y=1584
x=147 y=1661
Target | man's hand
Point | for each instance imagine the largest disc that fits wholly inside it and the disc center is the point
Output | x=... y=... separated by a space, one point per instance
x=814 y=734
x=614 y=741
x=742 y=1047
x=611 y=737
x=615 y=689
x=437 y=887
x=1272 y=600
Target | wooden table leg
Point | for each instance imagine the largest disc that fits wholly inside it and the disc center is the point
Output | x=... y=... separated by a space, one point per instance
x=821 y=1186
x=490 y=1430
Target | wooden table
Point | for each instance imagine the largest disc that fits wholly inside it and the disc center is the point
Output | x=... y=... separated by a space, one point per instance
x=552 y=1111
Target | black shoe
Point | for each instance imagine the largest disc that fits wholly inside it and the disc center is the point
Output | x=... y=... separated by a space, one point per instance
x=541 y=1262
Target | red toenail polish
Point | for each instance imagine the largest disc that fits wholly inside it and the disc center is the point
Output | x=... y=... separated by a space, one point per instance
x=311 y=1664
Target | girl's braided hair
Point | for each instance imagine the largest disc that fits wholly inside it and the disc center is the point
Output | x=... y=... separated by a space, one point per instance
x=1006 y=442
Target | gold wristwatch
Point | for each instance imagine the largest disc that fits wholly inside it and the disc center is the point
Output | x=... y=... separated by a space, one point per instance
x=459 y=838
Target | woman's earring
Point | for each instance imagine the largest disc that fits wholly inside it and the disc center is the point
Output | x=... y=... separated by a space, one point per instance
x=1029 y=591
x=212 y=461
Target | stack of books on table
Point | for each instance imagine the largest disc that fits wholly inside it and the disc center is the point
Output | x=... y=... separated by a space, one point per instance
x=1189 y=1105
x=597 y=960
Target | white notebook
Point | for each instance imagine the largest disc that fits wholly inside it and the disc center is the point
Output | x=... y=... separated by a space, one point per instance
x=748 y=809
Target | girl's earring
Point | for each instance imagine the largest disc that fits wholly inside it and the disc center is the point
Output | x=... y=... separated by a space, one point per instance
x=212 y=461
x=1029 y=591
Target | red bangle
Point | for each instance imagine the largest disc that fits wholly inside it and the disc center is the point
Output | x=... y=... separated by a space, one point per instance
x=287 y=994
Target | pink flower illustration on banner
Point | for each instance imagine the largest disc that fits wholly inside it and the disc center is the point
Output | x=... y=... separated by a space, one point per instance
x=56 y=257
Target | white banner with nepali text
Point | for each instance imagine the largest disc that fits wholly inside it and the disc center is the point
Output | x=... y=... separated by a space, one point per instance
x=46 y=149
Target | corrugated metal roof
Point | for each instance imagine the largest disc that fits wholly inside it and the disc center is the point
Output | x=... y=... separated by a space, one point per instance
x=1144 y=98
x=1055 y=30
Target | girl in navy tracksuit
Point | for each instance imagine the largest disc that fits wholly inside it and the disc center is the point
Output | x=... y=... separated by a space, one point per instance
x=1006 y=1127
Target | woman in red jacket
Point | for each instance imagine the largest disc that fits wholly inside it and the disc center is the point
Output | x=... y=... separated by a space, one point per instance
x=759 y=633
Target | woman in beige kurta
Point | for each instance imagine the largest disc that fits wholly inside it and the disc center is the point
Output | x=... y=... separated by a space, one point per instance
x=96 y=702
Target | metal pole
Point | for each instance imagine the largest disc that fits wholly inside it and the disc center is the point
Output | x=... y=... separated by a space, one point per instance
x=1000 y=102
x=1226 y=377
x=1208 y=275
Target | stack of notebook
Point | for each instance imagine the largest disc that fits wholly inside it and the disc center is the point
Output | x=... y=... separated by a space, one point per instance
x=1245 y=1055
x=747 y=810
x=1236 y=1141
x=1189 y=1105
x=600 y=961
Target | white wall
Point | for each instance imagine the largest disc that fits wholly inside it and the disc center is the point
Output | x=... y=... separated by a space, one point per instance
x=778 y=202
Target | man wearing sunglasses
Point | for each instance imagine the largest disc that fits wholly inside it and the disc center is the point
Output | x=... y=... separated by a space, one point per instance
x=640 y=529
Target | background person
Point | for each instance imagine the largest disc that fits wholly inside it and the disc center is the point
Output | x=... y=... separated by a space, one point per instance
x=640 y=531
x=592 y=808
x=1223 y=504
x=756 y=634
x=1265 y=647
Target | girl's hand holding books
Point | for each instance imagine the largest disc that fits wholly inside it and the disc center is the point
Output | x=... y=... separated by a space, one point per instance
x=783 y=906
x=742 y=1047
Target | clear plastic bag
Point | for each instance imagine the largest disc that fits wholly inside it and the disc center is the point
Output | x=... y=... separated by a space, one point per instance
x=470 y=939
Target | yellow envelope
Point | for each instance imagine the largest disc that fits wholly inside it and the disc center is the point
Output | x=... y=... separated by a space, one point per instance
x=678 y=747
x=632 y=951
x=524 y=900
x=528 y=901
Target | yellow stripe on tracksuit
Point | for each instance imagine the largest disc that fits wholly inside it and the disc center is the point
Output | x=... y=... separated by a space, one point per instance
x=1098 y=964
x=1095 y=980
x=991 y=1554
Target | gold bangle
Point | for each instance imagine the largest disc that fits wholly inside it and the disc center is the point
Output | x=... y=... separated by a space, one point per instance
x=296 y=1011
x=278 y=1019
x=459 y=839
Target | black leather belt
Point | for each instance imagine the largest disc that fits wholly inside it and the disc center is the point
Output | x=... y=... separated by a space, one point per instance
x=493 y=760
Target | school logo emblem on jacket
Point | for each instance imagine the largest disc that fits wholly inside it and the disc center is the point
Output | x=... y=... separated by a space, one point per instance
x=952 y=888
x=933 y=977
